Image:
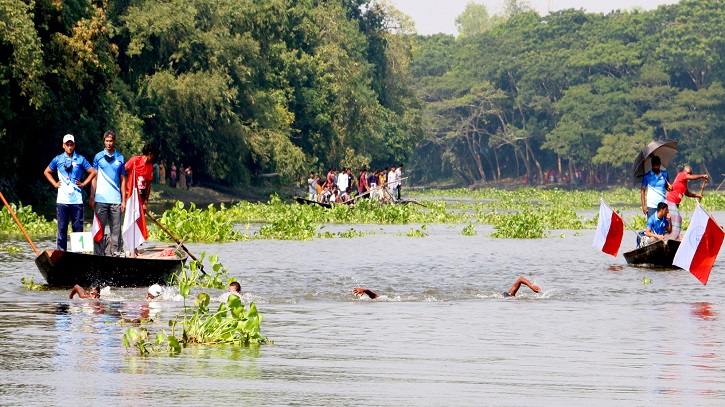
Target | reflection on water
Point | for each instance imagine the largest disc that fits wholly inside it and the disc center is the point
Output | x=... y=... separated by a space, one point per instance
x=441 y=332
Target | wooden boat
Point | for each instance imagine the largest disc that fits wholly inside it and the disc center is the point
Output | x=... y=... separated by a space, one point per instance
x=659 y=254
x=152 y=266
x=304 y=201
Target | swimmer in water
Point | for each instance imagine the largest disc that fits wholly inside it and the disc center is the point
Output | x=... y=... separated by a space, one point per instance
x=235 y=288
x=91 y=293
x=154 y=291
x=359 y=291
x=517 y=285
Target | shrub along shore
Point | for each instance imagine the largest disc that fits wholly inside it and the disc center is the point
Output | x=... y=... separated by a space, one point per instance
x=522 y=213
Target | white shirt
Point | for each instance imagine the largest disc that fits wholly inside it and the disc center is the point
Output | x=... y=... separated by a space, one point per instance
x=343 y=181
x=398 y=176
x=391 y=179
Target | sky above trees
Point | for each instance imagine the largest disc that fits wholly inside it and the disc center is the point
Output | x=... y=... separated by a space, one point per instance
x=436 y=16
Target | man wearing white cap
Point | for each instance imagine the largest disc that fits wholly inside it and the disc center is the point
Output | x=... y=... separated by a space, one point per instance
x=69 y=204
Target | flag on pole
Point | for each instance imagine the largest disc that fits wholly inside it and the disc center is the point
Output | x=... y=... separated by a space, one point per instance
x=96 y=229
x=134 y=222
x=700 y=245
x=610 y=230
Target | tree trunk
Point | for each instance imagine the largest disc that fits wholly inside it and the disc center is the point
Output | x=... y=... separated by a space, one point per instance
x=472 y=148
x=571 y=170
x=558 y=158
x=538 y=166
x=526 y=163
x=498 y=165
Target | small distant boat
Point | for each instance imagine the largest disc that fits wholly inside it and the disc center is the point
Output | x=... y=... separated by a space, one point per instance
x=305 y=201
x=659 y=254
x=151 y=266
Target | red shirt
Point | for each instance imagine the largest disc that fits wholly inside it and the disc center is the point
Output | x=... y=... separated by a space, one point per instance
x=679 y=186
x=144 y=173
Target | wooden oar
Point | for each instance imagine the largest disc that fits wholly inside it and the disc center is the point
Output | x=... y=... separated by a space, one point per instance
x=22 y=229
x=175 y=239
x=702 y=189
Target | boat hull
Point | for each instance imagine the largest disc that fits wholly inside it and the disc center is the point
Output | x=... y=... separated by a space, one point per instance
x=65 y=269
x=659 y=254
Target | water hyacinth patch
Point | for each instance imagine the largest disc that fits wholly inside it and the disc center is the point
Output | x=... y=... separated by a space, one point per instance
x=191 y=275
x=210 y=225
x=469 y=230
x=232 y=324
x=34 y=224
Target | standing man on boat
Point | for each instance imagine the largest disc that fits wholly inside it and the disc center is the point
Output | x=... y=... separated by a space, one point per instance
x=69 y=204
x=674 y=197
x=108 y=193
x=140 y=171
x=656 y=183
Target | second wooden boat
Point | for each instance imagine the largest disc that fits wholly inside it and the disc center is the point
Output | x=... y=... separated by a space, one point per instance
x=659 y=254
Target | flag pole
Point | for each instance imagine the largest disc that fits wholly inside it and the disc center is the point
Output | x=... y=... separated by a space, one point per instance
x=623 y=221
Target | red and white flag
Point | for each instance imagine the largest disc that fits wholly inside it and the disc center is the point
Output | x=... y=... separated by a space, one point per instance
x=610 y=230
x=96 y=229
x=700 y=245
x=134 y=223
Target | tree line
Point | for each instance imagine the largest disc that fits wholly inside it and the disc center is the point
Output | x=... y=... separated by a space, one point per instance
x=240 y=88
x=234 y=88
x=519 y=93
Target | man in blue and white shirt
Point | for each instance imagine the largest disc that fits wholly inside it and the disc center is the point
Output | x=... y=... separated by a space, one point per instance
x=108 y=195
x=655 y=183
x=69 y=204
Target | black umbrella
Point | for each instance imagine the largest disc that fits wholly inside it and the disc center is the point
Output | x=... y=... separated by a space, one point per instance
x=663 y=148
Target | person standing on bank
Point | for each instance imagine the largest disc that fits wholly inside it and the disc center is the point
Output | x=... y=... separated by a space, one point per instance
x=108 y=193
x=656 y=183
x=140 y=170
x=69 y=204
x=398 y=179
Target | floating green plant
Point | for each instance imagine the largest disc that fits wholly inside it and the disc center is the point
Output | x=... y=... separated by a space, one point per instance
x=10 y=248
x=191 y=274
x=210 y=225
x=30 y=284
x=231 y=324
x=34 y=224
x=469 y=230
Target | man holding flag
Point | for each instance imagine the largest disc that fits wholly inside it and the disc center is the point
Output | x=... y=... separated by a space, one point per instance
x=140 y=173
x=108 y=195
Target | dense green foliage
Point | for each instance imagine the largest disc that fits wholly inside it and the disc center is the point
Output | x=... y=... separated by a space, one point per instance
x=520 y=93
x=234 y=88
x=34 y=224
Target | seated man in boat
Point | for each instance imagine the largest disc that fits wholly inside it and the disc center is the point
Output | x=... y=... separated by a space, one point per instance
x=517 y=284
x=658 y=224
x=92 y=292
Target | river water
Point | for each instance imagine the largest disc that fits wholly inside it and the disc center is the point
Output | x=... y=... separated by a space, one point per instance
x=441 y=333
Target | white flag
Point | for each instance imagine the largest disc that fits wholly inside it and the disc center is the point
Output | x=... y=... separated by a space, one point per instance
x=134 y=224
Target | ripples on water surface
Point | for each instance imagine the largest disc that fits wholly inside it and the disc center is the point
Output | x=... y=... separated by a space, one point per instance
x=440 y=334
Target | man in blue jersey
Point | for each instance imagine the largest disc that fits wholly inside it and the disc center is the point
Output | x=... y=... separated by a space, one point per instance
x=69 y=204
x=659 y=224
x=108 y=195
x=655 y=183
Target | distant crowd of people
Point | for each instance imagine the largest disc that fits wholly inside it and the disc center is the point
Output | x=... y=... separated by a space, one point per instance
x=579 y=176
x=342 y=187
x=181 y=177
